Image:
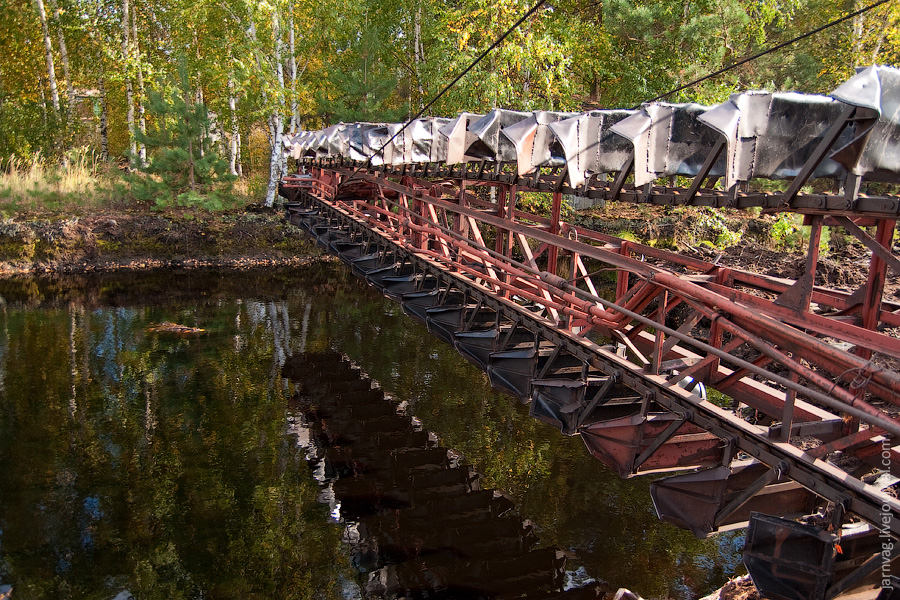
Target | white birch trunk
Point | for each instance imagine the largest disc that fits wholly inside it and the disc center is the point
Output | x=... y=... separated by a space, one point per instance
x=203 y=132
x=104 y=121
x=64 y=56
x=240 y=168
x=48 y=50
x=276 y=123
x=142 y=119
x=292 y=69
x=235 y=134
x=419 y=54
x=129 y=90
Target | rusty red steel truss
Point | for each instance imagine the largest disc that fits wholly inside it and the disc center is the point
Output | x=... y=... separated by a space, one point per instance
x=809 y=360
x=628 y=345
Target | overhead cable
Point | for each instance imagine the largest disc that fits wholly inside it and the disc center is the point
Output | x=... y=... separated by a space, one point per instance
x=770 y=50
x=447 y=87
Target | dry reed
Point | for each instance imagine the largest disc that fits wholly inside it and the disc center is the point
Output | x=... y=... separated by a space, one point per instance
x=34 y=183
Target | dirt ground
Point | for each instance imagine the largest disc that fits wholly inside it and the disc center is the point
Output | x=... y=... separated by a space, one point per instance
x=739 y=239
x=142 y=239
x=256 y=236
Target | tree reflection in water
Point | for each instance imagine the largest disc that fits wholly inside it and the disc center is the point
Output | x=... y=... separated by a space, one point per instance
x=163 y=464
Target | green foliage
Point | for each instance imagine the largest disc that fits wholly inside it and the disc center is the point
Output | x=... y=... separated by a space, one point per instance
x=787 y=231
x=184 y=168
x=36 y=183
x=382 y=61
x=541 y=203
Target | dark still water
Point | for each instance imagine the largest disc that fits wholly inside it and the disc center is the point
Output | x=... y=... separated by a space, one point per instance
x=252 y=461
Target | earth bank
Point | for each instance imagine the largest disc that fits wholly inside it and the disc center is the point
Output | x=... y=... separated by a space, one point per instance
x=143 y=239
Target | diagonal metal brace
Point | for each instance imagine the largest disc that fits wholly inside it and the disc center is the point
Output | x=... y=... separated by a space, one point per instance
x=768 y=477
x=600 y=395
x=659 y=441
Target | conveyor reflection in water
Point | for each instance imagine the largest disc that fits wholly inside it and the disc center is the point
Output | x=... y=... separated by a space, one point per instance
x=419 y=523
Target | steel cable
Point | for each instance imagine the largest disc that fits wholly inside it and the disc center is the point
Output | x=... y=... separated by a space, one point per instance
x=769 y=51
x=447 y=87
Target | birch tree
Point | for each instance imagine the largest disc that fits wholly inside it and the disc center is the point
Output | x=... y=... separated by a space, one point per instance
x=64 y=57
x=129 y=91
x=142 y=120
x=48 y=51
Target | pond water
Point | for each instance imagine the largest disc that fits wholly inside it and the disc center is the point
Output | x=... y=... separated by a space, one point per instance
x=193 y=466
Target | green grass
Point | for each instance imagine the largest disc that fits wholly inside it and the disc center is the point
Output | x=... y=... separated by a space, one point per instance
x=80 y=181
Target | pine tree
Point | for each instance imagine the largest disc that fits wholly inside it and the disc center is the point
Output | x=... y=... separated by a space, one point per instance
x=184 y=169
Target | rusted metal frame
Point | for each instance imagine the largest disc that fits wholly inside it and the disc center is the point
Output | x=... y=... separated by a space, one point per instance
x=818 y=476
x=624 y=274
x=871 y=243
x=639 y=302
x=705 y=361
x=798 y=296
x=542 y=236
x=505 y=241
x=835 y=299
x=636 y=298
x=745 y=496
x=845 y=398
x=818 y=324
x=476 y=235
x=849 y=441
x=477 y=275
x=871 y=307
x=629 y=343
x=404 y=210
x=388 y=223
x=828 y=139
x=704 y=171
x=787 y=415
x=598 y=396
x=673 y=257
x=726 y=382
x=579 y=268
x=658 y=443
x=716 y=334
x=502 y=240
x=792 y=339
x=684 y=328
x=530 y=259
x=419 y=208
x=845 y=404
x=676 y=364
x=872 y=453
x=845 y=401
x=841 y=365
x=871 y=565
x=458 y=221
x=661 y=311
x=651 y=292
x=590 y=247
x=445 y=249
x=638 y=267
x=825 y=480
x=483 y=253
x=555 y=212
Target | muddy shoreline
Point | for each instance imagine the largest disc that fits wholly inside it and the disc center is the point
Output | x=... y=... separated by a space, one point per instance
x=142 y=240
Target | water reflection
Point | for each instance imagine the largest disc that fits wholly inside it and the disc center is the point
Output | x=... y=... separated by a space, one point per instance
x=420 y=525
x=170 y=465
